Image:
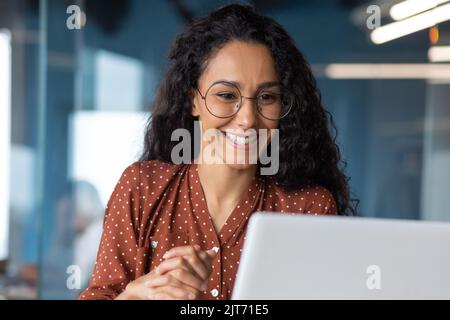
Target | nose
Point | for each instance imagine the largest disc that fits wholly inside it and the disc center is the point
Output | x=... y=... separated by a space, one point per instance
x=247 y=117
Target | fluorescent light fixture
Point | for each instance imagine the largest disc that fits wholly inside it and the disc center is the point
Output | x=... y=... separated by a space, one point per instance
x=416 y=23
x=388 y=71
x=410 y=8
x=439 y=54
x=5 y=140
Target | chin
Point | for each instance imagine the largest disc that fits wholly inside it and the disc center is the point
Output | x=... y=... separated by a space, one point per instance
x=240 y=166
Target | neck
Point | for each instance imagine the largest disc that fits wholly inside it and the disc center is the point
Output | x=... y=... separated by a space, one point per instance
x=223 y=184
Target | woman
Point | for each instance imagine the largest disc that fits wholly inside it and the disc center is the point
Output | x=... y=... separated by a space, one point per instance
x=175 y=231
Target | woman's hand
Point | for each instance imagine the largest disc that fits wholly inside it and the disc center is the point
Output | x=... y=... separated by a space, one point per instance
x=188 y=258
x=182 y=275
x=153 y=286
x=189 y=265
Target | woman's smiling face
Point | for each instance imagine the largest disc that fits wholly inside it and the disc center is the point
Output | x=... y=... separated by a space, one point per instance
x=249 y=67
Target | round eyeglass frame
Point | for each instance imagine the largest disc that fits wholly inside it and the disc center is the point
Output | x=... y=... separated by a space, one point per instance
x=240 y=103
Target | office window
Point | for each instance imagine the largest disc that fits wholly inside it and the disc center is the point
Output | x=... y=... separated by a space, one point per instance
x=5 y=139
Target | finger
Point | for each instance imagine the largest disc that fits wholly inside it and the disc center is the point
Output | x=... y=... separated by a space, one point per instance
x=200 y=267
x=191 y=250
x=157 y=280
x=189 y=279
x=140 y=292
x=198 y=263
x=160 y=296
x=206 y=259
x=167 y=280
x=163 y=295
x=179 y=251
x=178 y=292
x=177 y=283
x=213 y=251
x=174 y=263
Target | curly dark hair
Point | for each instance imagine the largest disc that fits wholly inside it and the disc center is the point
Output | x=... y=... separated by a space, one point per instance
x=308 y=154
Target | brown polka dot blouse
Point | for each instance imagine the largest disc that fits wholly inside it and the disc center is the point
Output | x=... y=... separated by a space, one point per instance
x=156 y=206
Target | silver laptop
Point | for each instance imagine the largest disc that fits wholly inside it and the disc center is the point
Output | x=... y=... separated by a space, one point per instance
x=318 y=257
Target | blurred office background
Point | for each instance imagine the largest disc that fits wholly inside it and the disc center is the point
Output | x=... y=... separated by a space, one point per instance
x=73 y=104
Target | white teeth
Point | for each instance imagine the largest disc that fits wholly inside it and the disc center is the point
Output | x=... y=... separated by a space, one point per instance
x=238 y=139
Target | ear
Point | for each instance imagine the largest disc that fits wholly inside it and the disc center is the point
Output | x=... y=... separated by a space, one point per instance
x=195 y=109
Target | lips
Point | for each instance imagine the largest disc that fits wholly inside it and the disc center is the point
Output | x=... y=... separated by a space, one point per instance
x=240 y=140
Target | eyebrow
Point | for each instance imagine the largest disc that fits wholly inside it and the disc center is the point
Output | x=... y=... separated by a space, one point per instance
x=263 y=85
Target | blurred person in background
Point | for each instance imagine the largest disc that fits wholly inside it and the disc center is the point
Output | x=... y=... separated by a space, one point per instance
x=78 y=224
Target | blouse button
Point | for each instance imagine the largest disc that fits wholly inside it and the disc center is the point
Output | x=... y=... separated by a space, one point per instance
x=154 y=244
x=214 y=292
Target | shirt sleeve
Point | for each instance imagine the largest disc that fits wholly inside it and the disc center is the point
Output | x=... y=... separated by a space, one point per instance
x=116 y=258
x=321 y=202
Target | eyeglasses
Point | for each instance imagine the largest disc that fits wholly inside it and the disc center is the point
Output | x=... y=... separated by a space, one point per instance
x=224 y=99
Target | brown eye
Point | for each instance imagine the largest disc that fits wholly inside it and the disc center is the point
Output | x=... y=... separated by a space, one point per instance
x=267 y=98
x=226 y=96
